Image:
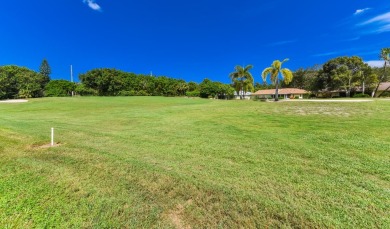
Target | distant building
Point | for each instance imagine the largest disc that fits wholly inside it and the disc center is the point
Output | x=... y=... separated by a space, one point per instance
x=247 y=95
x=285 y=92
x=383 y=87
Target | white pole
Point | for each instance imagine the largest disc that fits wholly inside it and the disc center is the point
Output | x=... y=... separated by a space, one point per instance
x=71 y=77
x=52 y=136
x=71 y=73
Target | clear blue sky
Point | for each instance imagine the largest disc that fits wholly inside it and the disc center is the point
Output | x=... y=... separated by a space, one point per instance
x=190 y=40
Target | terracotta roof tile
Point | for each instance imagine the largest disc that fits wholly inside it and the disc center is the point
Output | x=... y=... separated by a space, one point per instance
x=281 y=91
x=383 y=86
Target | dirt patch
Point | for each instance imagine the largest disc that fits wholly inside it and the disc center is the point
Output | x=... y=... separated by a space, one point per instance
x=45 y=146
x=14 y=101
x=176 y=216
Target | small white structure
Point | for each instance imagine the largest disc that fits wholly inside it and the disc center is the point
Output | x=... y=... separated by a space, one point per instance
x=287 y=93
x=52 y=137
x=246 y=95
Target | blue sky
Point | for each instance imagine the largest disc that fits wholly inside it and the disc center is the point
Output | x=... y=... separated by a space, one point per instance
x=191 y=40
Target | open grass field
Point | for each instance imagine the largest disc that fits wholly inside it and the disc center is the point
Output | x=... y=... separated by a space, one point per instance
x=153 y=162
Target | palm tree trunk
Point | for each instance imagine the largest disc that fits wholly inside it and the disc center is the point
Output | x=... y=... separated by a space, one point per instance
x=277 y=90
x=242 y=89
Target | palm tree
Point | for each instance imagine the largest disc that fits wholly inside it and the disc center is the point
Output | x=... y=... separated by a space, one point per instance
x=242 y=79
x=275 y=71
x=384 y=55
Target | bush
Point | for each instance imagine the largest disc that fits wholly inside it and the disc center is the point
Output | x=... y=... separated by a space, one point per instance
x=261 y=98
x=385 y=94
x=127 y=93
x=193 y=93
x=142 y=93
x=82 y=90
x=59 y=88
x=361 y=96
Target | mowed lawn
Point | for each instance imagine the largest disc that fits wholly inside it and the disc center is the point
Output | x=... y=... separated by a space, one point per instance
x=154 y=162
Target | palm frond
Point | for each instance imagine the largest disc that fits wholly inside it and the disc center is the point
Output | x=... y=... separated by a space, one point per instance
x=238 y=68
x=233 y=75
x=266 y=72
x=248 y=76
x=241 y=73
x=248 y=85
x=285 y=60
x=287 y=75
x=385 y=54
x=275 y=70
x=248 y=67
x=277 y=64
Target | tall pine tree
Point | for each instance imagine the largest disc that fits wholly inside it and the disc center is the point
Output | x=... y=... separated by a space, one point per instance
x=45 y=71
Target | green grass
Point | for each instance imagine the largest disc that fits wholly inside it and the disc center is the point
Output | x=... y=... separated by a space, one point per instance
x=151 y=162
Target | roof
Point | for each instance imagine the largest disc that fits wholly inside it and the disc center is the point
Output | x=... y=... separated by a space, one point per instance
x=384 y=86
x=282 y=91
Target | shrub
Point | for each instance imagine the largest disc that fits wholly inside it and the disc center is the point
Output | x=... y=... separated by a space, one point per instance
x=385 y=94
x=59 y=88
x=142 y=93
x=82 y=90
x=127 y=93
x=361 y=96
x=193 y=93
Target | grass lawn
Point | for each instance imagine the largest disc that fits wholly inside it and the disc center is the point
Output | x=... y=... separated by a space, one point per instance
x=153 y=162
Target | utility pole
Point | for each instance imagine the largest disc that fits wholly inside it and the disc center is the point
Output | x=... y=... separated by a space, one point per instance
x=71 y=77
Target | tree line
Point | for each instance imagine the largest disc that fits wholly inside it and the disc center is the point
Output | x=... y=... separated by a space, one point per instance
x=21 y=82
x=346 y=74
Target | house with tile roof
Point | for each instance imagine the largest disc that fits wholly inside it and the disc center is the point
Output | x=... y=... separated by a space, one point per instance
x=285 y=92
x=383 y=87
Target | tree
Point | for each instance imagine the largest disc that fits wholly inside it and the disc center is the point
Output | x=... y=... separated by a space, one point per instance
x=182 y=87
x=225 y=91
x=193 y=90
x=345 y=76
x=242 y=79
x=207 y=89
x=217 y=90
x=59 y=88
x=29 y=85
x=341 y=72
x=105 y=81
x=367 y=78
x=304 y=78
x=45 y=71
x=192 y=86
x=298 y=80
x=19 y=82
x=8 y=83
x=276 y=71
x=385 y=56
